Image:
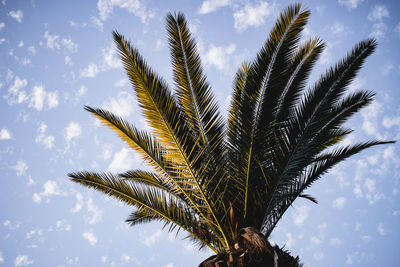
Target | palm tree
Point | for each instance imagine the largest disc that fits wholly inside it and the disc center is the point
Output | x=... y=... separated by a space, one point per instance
x=228 y=182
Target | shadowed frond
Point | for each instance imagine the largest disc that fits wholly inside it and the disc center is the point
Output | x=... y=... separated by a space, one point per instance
x=156 y=203
x=193 y=91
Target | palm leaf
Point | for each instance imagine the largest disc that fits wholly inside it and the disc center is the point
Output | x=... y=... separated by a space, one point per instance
x=169 y=125
x=166 y=207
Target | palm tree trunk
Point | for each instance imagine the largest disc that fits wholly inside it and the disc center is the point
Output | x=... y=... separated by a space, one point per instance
x=252 y=250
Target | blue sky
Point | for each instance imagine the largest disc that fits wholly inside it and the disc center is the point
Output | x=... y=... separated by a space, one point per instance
x=56 y=56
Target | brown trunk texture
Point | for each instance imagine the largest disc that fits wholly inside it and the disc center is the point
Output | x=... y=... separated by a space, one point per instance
x=252 y=250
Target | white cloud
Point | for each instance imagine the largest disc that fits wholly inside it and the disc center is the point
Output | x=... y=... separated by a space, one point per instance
x=389 y=122
x=381 y=230
x=22 y=260
x=318 y=256
x=160 y=45
x=356 y=84
x=10 y=225
x=1 y=258
x=79 y=203
x=5 y=134
x=15 y=93
x=2 y=25
x=339 y=29
x=336 y=242
x=300 y=214
x=350 y=4
x=326 y=55
x=315 y=240
x=370 y=184
x=378 y=13
x=110 y=57
x=52 y=99
x=370 y=117
x=169 y=265
x=339 y=203
x=387 y=69
x=81 y=91
x=72 y=261
x=378 y=30
x=36 y=198
x=68 y=61
x=97 y=23
x=41 y=138
x=40 y=97
x=94 y=213
x=17 y=15
x=370 y=191
x=61 y=226
x=90 y=237
x=125 y=258
x=106 y=151
x=32 y=233
x=389 y=153
x=122 y=161
x=252 y=15
x=20 y=168
x=219 y=56
x=90 y=71
x=21 y=44
x=290 y=240
x=209 y=6
x=397 y=28
x=31 y=49
x=26 y=61
x=73 y=130
x=122 y=82
x=150 y=239
x=50 y=188
x=2 y=40
x=54 y=42
x=136 y=7
x=122 y=105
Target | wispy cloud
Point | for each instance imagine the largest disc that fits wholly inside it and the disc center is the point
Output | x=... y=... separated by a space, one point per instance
x=55 y=42
x=350 y=4
x=90 y=237
x=90 y=71
x=209 y=6
x=136 y=7
x=5 y=134
x=17 y=15
x=252 y=15
x=72 y=131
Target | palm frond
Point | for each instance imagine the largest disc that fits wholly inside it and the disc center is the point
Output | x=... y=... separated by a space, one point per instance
x=193 y=91
x=169 y=126
x=166 y=207
x=266 y=73
x=320 y=166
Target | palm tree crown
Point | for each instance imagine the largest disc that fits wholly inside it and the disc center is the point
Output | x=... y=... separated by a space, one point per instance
x=212 y=177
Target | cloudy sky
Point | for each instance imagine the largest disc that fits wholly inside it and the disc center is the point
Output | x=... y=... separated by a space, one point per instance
x=56 y=56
